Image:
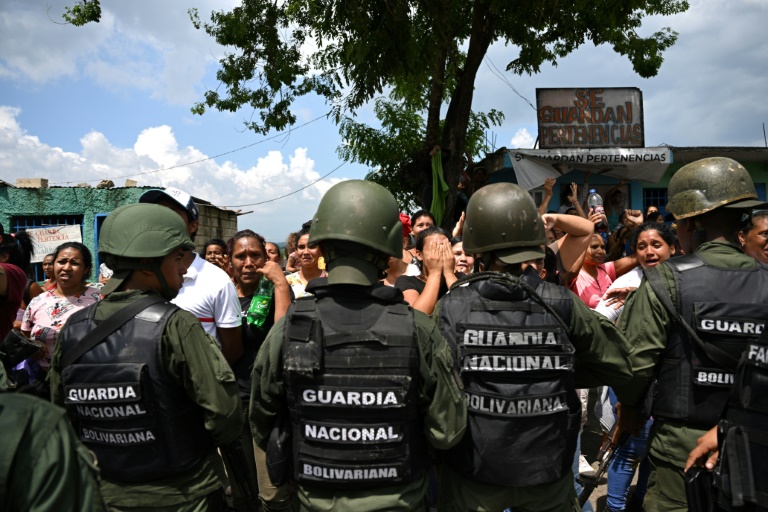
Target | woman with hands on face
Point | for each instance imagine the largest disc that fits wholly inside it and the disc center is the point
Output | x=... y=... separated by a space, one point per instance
x=437 y=266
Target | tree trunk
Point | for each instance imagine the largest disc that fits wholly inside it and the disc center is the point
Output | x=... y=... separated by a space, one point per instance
x=460 y=107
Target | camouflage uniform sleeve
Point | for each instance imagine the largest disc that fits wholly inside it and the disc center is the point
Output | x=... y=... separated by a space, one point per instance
x=601 y=350
x=441 y=391
x=645 y=324
x=52 y=470
x=267 y=391
x=193 y=358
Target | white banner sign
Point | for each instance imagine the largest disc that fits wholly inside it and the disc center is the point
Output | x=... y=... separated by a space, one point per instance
x=46 y=240
x=533 y=166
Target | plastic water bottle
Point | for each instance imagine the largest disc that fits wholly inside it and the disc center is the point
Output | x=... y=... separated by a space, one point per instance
x=259 y=308
x=595 y=202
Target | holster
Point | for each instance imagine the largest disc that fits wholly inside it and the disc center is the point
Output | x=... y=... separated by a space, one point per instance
x=698 y=490
x=279 y=452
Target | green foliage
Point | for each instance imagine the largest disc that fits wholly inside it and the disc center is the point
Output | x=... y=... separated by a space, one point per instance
x=423 y=55
x=394 y=150
x=82 y=13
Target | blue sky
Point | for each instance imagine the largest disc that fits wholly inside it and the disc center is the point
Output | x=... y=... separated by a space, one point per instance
x=113 y=99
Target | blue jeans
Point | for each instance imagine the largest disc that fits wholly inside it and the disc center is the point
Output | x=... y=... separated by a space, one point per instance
x=622 y=469
x=587 y=506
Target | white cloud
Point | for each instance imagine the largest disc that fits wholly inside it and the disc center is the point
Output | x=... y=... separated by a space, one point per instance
x=226 y=184
x=522 y=140
x=140 y=45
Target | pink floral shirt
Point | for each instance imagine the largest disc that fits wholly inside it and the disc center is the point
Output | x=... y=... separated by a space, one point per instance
x=590 y=291
x=46 y=314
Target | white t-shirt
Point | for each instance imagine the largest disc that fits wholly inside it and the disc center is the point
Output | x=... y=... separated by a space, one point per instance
x=629 y=280
x=209 y=294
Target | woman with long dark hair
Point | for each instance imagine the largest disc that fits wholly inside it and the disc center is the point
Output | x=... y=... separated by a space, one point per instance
x=46 y=313
x=15 y=254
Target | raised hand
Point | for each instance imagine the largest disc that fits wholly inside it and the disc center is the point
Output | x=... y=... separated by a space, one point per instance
x=634 y=217
x=548 y=184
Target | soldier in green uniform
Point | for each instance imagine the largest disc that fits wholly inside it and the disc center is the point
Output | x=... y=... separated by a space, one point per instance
x=151 y=395
x=691 y=318
x=523 y=347
x=363 y=383
x=43 y=466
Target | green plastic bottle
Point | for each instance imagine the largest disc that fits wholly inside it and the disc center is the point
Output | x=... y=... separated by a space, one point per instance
x=259 y=308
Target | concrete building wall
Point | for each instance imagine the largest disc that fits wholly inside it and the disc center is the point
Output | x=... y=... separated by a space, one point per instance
x=95 y=203
x=214 y=223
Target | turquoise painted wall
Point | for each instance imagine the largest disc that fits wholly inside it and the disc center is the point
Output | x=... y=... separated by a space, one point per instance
x=88 y=202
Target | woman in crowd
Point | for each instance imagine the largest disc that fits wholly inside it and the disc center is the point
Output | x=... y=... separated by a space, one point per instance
x=264 y=297
x=753 y=238
x=216 y=252
x=420 y=221
x=465 y=263
x=15 y=252
x=307 y=255
x=273 y=252
x=291 y=258
x=437 y=271
x=596 y=275
x=47 y=265
x=46 y=313
x=653 y=243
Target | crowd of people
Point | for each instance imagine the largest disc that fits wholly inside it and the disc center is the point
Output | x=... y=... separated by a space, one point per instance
x=384 y=363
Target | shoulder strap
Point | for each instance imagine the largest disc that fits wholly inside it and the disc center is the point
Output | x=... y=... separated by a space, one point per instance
x=714 y=353
x=107 y=327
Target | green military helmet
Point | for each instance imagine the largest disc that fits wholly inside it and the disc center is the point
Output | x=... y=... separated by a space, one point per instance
x=362 y=212
x=502 y=218
x=710 y=183
x=143 y=231
x=137 y=231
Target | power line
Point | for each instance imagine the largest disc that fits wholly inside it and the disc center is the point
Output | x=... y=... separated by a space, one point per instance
x=500 y=75
x=289 y=193
x=196 y=161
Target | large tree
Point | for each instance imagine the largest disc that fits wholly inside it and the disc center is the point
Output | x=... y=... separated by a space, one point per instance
x=412 y=58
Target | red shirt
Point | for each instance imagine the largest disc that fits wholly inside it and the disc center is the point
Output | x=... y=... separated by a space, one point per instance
x=10 y=304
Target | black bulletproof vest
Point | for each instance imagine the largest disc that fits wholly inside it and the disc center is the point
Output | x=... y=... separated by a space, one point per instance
x=352 y=394
x=726 y=308
x=516 y=362
x=742 y=471
x=125 y=407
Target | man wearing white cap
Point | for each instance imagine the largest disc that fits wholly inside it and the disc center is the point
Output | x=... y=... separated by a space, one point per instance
x=207 y=291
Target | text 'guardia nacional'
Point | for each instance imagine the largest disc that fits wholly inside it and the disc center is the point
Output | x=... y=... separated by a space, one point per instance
x=355 y=398
x=101 y=394
x=733 y=326
x=502 y=363
x=360 y=434
x=483 y=338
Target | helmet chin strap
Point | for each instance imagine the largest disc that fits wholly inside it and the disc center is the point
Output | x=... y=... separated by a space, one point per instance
x=166 y=291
